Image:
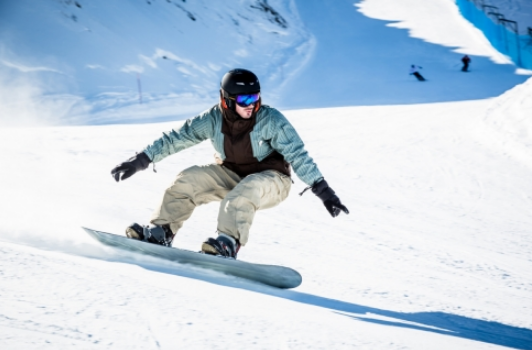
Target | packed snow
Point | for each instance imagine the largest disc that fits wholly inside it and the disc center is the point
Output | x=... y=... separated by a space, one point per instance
x=436 y=252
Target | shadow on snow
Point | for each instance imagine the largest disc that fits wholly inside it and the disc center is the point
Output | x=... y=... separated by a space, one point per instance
x=435 y=322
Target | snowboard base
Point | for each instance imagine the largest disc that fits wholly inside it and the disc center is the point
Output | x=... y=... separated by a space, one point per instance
x=272 y=275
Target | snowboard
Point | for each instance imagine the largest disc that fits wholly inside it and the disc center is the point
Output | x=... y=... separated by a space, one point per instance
x=272 y=275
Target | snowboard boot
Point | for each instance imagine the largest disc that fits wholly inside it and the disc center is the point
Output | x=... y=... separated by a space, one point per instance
x=155 y=234
x=224 y=245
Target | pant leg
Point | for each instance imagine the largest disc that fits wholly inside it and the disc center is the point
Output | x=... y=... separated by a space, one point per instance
x=255 y=192
x=194 y=186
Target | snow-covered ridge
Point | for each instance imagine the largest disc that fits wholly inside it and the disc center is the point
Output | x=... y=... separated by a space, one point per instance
x=97 y=56
x=97 y=62
x=507 y=124
x=463 y=36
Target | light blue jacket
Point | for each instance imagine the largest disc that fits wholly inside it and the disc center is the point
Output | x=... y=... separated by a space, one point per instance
x=272 y=132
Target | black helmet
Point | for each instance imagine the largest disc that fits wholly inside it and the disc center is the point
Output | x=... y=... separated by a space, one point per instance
x=238 y=81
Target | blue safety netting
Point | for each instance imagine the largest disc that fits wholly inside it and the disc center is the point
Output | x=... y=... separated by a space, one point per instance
x=501 y=33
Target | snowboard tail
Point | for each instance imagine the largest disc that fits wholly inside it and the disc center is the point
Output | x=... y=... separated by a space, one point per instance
x=272 y=275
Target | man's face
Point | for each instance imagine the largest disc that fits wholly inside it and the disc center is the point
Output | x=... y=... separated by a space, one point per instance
x=245 y=112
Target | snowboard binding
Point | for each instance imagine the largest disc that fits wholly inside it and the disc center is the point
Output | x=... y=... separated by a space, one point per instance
x=224 y=245
x=161 y=235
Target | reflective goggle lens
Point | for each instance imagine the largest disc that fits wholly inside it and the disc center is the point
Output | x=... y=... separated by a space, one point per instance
x=246 y=100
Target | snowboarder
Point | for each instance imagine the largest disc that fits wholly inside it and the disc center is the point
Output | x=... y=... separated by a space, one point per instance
x=256 y=147
x=414 y=71
x=465 y=60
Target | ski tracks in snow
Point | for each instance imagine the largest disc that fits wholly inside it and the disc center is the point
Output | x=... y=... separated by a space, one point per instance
x=20 y=316
x=75 y=310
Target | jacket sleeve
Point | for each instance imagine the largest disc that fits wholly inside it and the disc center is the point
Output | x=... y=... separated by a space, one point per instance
x=285 y=140
x=194 y=131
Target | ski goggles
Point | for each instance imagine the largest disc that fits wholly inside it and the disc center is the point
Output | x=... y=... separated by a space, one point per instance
x=246 y=100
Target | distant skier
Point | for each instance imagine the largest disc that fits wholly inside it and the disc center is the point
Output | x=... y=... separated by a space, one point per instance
x=465 y=60
x=414 y=70
x=256 y=146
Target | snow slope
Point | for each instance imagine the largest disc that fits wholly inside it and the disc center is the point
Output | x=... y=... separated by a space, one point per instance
x=363 y=61
x=435 y=254
x=89 y=54
x=80 y=62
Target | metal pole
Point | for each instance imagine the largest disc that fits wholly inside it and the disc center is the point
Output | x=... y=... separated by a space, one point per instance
x=140 y=88
x=517 y=43
x=516 y=31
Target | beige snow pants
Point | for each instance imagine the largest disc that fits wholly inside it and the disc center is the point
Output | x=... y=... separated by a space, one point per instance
x=240 y=197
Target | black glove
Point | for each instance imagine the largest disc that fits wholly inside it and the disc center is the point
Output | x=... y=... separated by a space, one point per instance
x=131 y=166
x=330 y=200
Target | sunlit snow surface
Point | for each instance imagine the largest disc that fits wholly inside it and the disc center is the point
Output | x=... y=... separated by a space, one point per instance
x=436 y=252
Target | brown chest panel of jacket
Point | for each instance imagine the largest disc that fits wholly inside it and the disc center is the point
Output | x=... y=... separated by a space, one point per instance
x=238 y=149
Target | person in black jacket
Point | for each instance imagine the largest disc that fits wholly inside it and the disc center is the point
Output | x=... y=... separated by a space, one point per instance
x=465 y=60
